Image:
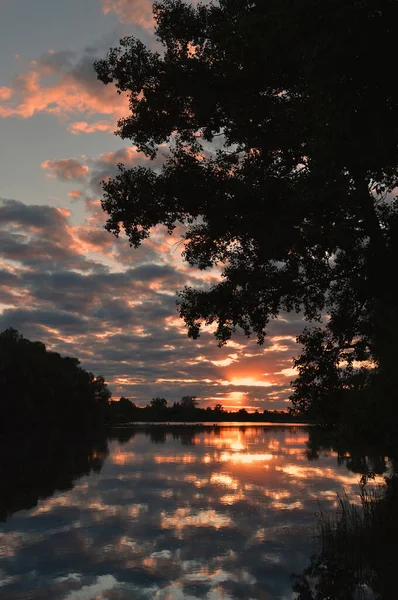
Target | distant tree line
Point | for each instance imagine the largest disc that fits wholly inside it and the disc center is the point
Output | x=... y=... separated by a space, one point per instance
x=187 y=410
x=41 y=389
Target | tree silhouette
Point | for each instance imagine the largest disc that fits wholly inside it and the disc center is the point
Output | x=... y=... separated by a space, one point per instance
x=188 y=402
x=158 y=403
x=42 y=389
x=123 y=410
x=283 y=155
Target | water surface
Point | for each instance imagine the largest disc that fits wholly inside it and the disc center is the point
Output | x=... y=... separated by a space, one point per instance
x=173 y=514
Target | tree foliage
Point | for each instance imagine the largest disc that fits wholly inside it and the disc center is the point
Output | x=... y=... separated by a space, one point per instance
x=158 y=403
x=122 y=410
x=42 y=389
x=189 y=403
x=281 y=121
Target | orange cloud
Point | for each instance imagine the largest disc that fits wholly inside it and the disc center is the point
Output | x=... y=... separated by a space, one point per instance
x=66 y=169
x=72 y=93
x=5 y=93
x=138 y=12
x=288 y=372
x=93 y=239
x=84 y=127
x=128 y=155
x=75 y=194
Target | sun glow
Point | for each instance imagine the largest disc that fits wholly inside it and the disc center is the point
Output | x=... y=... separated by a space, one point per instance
x=236 y=395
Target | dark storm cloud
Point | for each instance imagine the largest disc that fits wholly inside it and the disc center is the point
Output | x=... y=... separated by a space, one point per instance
x=17 y=213
x=18 y=318
x=57 y=60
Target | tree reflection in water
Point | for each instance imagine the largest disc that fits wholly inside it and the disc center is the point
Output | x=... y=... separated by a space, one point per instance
x=33 y=469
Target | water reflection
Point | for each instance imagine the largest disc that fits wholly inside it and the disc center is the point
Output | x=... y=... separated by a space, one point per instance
x=172 y=514
x=34 y=469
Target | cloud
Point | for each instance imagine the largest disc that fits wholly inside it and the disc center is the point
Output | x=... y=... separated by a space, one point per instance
x=28 y=215
x=128 y=155
x=62 y=85
x=133 y=12
x=105 y=165
x=39 y=238
x=66 y=169
x=137 y=12
x=78 y=127
x=75 y=194
x=5 y=93
x=87 y=294
x=48 y=318
x=55 y=61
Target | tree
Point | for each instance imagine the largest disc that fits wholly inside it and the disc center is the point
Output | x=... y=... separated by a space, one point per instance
x=219 y=408
x=43 y=390
x=189 y=402
x=123 y=410
x=282 y=130
x=159 y=404
x=127 y=403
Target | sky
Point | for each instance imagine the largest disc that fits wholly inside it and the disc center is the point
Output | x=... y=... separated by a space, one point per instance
x=66 y=281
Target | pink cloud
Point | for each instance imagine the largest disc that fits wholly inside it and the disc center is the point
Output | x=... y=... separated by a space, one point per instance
x=127 y=155
x=75 y=194
x=66 y=169
x=138 y=12
x=93 y=239
x=76 y=91
x=95 y=215
x=84 y=127
x=5 y=93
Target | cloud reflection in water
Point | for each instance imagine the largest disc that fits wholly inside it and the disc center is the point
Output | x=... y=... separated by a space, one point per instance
x=209 y=514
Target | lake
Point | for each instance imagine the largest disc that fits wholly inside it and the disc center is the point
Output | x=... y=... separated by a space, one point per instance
x=186 y=513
